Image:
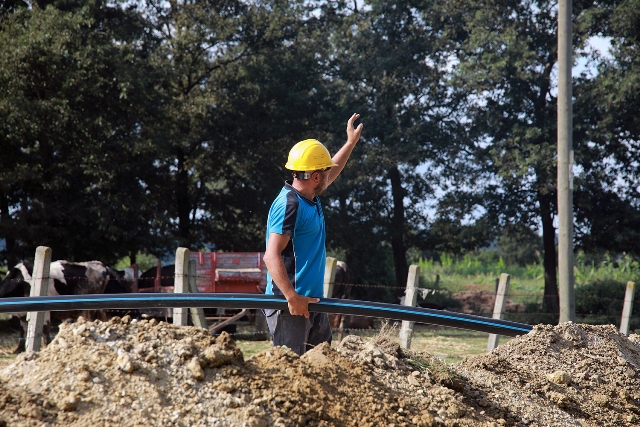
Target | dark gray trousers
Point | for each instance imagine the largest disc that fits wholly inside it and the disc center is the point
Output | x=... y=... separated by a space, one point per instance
x=297 y=332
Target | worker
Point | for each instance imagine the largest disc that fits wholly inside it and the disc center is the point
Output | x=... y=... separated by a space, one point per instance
x=295 y=256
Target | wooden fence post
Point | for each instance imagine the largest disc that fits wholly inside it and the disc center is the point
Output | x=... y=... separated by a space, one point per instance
x=329 y=276
x=181 y=284
x=410 y=298
x=39 y=288
x=626 y=309
x=197 y=314
x=498 y=308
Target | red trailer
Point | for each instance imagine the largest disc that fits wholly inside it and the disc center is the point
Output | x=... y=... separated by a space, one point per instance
x=220 y=272
x=225 y=272
x=216 y=272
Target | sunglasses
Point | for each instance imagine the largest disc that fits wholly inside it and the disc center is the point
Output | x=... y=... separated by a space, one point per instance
x=306 y=175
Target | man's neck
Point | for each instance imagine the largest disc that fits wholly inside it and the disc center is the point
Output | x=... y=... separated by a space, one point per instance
x=306 y=191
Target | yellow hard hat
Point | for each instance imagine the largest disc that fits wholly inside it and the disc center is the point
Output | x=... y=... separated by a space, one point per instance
x=309 y=155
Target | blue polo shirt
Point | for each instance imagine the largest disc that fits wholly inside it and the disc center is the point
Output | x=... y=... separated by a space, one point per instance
x=304 y=256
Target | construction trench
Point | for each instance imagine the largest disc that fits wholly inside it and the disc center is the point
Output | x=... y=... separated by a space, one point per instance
x=128 y=372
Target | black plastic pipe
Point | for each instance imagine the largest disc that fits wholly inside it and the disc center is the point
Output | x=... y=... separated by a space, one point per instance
x=256 y=301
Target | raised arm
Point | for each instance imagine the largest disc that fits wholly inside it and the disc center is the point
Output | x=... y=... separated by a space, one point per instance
x=341 y=157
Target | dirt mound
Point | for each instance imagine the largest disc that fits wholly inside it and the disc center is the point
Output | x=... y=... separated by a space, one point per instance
x=122 y=373
x=567 y=375
x=145 y=373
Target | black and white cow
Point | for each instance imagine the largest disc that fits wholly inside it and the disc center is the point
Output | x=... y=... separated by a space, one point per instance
x=65 y=278
x=119 y=281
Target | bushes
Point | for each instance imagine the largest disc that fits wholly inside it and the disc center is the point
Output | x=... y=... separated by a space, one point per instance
x=601 y=301
x=599 y=290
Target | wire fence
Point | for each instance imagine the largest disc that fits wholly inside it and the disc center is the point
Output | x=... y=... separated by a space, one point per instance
x=521 y=307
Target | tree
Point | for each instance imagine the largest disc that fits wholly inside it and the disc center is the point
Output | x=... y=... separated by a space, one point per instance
x=392 y=67
x=607 y=200
x=74 y=90
x=229 y=106
x=267 y=102
x=506 y=65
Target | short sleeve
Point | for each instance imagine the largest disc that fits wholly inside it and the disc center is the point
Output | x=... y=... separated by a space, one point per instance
x=283 y=215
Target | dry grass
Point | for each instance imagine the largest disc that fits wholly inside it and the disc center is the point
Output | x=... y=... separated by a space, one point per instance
x=447 y=345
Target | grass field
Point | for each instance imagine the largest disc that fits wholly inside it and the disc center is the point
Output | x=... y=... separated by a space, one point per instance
x=483 y=268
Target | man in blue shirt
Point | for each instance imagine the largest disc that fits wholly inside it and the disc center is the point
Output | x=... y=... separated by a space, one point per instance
x=295 y=256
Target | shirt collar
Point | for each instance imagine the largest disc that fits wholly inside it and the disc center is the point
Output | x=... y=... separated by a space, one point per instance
x=289 y=186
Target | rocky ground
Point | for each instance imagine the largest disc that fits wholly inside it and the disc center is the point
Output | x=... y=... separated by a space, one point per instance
x=144 y=373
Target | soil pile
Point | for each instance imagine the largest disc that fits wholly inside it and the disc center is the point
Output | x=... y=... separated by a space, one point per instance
x=145 y=373
x=567 y=375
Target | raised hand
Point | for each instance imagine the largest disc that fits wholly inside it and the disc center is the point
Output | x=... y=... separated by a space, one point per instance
x=353 y=134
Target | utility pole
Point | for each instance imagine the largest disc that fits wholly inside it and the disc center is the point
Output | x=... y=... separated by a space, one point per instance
x=565 y=163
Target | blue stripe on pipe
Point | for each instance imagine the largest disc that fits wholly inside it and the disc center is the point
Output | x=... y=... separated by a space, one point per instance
x=188 y=298
x=5 y=305
x=442 y=316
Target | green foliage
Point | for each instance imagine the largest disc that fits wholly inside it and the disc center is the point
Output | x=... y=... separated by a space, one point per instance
x=506 y=63
x=484 y=267
x=520 y=245
x=72 y=100
x=599 y=284
x=373 y=265
x=143 y=261
x=389 y=65
x=486 y=262
x=624 y=268
x=197 y=42
x=269 y=100
x=606 y=202
x=124 y=136
x=601 y=301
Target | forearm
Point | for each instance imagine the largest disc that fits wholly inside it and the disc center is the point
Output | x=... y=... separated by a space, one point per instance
x=278 y=272
x=341 y=158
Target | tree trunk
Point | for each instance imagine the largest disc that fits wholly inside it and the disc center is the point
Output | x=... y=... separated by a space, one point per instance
x=182 y=200
x=551 y=301
x=397 y=231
